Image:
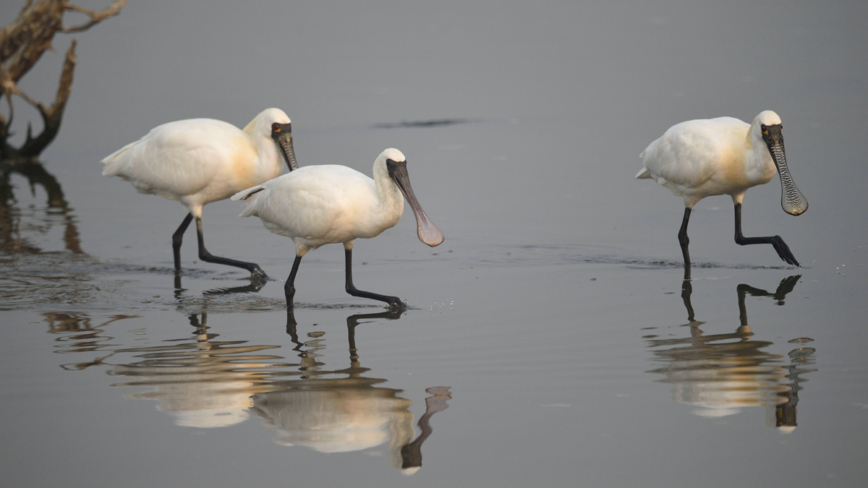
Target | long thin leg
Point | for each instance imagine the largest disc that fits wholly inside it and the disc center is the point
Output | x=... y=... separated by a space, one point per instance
x=177 y=237
x=289 y=287
x=780 y=246
x=682 y=236
x=686 y=291
x=206 y=256
x=351 y=289
x=179 y=290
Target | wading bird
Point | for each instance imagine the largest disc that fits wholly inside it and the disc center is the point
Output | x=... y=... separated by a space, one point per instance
x=331 y=204
x=199 y=161
x=723 y=156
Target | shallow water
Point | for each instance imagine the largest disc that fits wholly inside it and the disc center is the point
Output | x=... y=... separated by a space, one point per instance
x=552 y=340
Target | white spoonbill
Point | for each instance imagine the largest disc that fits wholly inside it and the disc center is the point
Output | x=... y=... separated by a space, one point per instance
x=331 y=204
x=723 y=156
x=199 y=161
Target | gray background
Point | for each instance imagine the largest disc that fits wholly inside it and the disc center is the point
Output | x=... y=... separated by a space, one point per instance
x=541 y=309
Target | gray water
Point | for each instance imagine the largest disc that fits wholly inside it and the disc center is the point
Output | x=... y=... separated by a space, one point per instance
x=552 y=340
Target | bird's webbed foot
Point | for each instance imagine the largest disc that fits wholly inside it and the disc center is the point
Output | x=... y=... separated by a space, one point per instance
x=784 y=251
x=396 y=304
x=257 y=274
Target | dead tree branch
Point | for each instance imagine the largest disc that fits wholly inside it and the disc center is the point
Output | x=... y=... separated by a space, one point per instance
x=95 y=17
x=22 y=44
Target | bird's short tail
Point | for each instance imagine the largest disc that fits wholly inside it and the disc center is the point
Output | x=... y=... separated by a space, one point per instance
x=644 y=174
x=245 y=195
x=117 y=162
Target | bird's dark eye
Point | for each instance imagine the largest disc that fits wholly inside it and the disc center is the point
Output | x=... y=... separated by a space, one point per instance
x=275 y=127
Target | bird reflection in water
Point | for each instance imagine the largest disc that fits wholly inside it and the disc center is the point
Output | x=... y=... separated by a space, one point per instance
x=199 y=380
x=723 y=373
x=344 y=410
x=204 y=382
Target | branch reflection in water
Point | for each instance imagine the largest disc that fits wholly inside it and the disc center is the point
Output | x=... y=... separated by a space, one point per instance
x=77 y=334
x=39 y=267
x=723 y=373
x=12 y=239
x=203 y=382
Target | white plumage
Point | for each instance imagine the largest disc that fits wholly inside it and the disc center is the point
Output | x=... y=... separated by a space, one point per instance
x=317 y=205
x=700 y=158
x=199 y=161
x=723 y=156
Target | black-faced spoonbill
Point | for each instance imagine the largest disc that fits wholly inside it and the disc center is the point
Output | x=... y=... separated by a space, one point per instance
x=331 y=204
x=199 y=161
x=724 y=156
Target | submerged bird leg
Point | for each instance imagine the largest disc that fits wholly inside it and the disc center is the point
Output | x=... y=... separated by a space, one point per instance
x=780 y=246
x=682 y=236
x=289 y=287
x=351 y=289
x=291 y=326
x=176 y=240
x=686 y=291
x=204 y=255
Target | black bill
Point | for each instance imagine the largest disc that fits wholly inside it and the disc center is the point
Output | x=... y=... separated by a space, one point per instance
x=792 y=200
x=425 y=229
x=282 y=135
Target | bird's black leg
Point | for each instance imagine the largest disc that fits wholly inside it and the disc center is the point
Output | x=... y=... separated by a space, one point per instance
x=176 y=240
x=392 y=301
x=682 y=236
x=289 y=287
x=686 y=291
x=780 y=246
x=204 y=255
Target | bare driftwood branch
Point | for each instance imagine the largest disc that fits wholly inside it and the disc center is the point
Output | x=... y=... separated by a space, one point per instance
x=22 y=44
x=52 y=115
x=95 y=17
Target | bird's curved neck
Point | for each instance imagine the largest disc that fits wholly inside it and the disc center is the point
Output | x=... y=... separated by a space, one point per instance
x=390 y=198
x=269 y=159
x=759 y=166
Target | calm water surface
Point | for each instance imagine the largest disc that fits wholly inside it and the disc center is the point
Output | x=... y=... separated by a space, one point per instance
x=552 y=340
